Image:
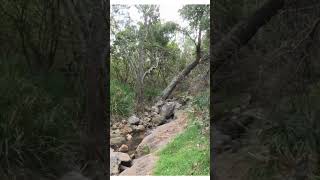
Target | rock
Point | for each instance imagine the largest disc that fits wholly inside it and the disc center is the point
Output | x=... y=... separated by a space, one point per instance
x=126 y=130
x=146 y=114
x=138 y=128
x=123 y=157
x=114 y=165
x=117 y=140
x=167 y=109
x=158 y=120
x=178 y=105
x=132 y=156
x=143 y=166
x=124 y=148
x=161 y=136
x=129 y=137
x=154 y=114
x=147 y=108
x=122 y=168
x=134 y=120
x=73 y=175
x=159 y=103
x=155 y=109
x=147 y=119
x=116 y=158
x=124 y=121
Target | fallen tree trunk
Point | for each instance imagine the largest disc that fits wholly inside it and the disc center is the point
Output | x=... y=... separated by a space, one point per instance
x=242 y=33
x=236 y=38
x=166 y=92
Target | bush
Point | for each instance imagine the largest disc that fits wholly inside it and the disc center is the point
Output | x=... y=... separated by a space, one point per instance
x=122 y=99
x=36 y=129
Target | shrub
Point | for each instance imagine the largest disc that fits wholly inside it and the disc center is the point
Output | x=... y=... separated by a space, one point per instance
x=122 y=98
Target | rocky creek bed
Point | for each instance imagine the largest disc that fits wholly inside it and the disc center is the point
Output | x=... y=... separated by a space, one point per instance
x=137 y=136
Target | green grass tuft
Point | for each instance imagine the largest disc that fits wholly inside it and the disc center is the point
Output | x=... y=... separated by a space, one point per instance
x=188 y=154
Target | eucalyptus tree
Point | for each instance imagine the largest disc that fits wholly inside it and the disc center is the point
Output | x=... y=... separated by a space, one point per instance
x=198 y=18
x=141 y=48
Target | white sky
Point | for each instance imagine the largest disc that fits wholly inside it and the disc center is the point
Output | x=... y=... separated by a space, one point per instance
x=168 y=11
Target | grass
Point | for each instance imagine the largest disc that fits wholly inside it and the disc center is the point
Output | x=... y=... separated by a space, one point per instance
x=122 y=99
x=188 y=154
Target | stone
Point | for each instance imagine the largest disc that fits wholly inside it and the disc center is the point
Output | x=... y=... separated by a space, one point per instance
x=117 y=140
x=129 y=137
x=134 y=120
x=167 y=109
x=132 y=156
x=126 y=130
x=178 y=105
x=146 y=114
x=158 y=120
x=114 y=165
x=138 y=128
x=116 y=158
x=124 y=148
x=147 y=119
x=155 y=109
x=122 y=167
x=159 y=103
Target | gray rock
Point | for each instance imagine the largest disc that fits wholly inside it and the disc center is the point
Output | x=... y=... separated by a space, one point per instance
x=159 y=103
x=167 y=109
x=178 y=105
x=155 y=109
x=134 y=120
x=158 y=120
x=117 y=140
x=138 y=128
x=115 y=160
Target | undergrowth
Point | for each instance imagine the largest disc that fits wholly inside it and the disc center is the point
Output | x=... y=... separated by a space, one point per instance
x=37 y=126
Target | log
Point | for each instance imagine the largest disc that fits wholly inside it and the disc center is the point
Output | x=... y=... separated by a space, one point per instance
x=236 y=38
x=242 y=33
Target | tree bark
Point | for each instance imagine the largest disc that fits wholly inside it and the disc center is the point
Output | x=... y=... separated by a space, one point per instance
x=91 y=20
x=176 y=80
x=242 y=33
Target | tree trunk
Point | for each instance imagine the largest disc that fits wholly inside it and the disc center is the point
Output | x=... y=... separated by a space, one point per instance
x=242 y=33
x=96 y=83
x=169 y=89
x=90 y=18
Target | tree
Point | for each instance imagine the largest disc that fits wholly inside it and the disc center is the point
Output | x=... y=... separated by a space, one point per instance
x=94 y=37
x=143 y=47
x=198 y=17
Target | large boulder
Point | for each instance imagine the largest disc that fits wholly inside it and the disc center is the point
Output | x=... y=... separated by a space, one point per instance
x=167 y=110
x=134 y=120
x=160 y=136
x=116 y=158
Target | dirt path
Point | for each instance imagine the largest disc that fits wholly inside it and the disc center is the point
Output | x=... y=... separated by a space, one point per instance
x=159 y=138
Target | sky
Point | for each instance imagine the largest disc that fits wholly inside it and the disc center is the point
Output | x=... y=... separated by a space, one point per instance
x=168 y=11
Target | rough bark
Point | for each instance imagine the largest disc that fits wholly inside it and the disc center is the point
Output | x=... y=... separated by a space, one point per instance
x=242 y=33
x=94 y=44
